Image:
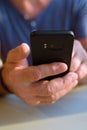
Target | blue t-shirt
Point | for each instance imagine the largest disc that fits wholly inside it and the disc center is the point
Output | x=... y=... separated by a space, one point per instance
x=59 y=15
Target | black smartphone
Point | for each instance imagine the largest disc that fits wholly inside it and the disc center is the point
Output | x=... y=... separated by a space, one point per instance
x=52 y=46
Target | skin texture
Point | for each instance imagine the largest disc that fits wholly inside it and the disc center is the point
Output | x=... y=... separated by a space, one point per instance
x=79 y=61
x=25 y=81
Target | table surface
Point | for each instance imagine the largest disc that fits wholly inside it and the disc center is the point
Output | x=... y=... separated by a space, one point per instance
x=68 y=113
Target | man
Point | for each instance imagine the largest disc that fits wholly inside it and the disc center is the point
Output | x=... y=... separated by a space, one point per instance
x=17 y=19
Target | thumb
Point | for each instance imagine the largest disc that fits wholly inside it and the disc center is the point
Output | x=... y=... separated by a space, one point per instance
x=19 y=53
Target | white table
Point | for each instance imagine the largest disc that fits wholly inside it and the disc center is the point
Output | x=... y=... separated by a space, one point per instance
x=69 y=113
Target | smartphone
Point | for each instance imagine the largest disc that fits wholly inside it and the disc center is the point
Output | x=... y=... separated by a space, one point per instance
x=52 y=46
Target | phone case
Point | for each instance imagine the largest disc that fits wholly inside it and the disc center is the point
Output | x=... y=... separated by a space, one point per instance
x=52 y=46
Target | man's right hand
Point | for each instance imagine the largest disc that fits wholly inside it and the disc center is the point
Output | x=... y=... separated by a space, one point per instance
x=25 y=81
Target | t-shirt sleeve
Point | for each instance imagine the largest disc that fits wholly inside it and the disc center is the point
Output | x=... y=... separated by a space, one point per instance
x=80 y=25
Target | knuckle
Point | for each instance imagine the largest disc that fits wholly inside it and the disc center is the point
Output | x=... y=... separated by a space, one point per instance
x=52 y=87
x=49 y=88
x=36 y=74
x=53 y=98
x=53 y=68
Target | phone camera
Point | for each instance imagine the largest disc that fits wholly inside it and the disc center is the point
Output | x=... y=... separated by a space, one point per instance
x=45 y=45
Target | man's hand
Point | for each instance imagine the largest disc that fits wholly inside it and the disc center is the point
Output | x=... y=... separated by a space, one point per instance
x=25 y=81
x=79 y=60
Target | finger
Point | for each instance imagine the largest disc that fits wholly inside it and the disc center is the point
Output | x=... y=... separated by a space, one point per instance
x=42 y=88
x=69 y=85
x=66 y=90
x=36 y=89
x=47 y=100
x=37 y=101
x=82 y=71
x=75 y=63
x=76 y=58
x=18 y=54
x=46 y=88
x=59 y=84
x=49 y=88
x=69 y=81
x=31 y=100
x=35 y=73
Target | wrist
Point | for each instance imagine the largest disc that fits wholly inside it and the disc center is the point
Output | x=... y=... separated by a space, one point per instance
x=3 y=87
x=2 y=90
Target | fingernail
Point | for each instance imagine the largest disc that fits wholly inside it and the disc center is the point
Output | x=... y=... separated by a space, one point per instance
x=61 y=67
